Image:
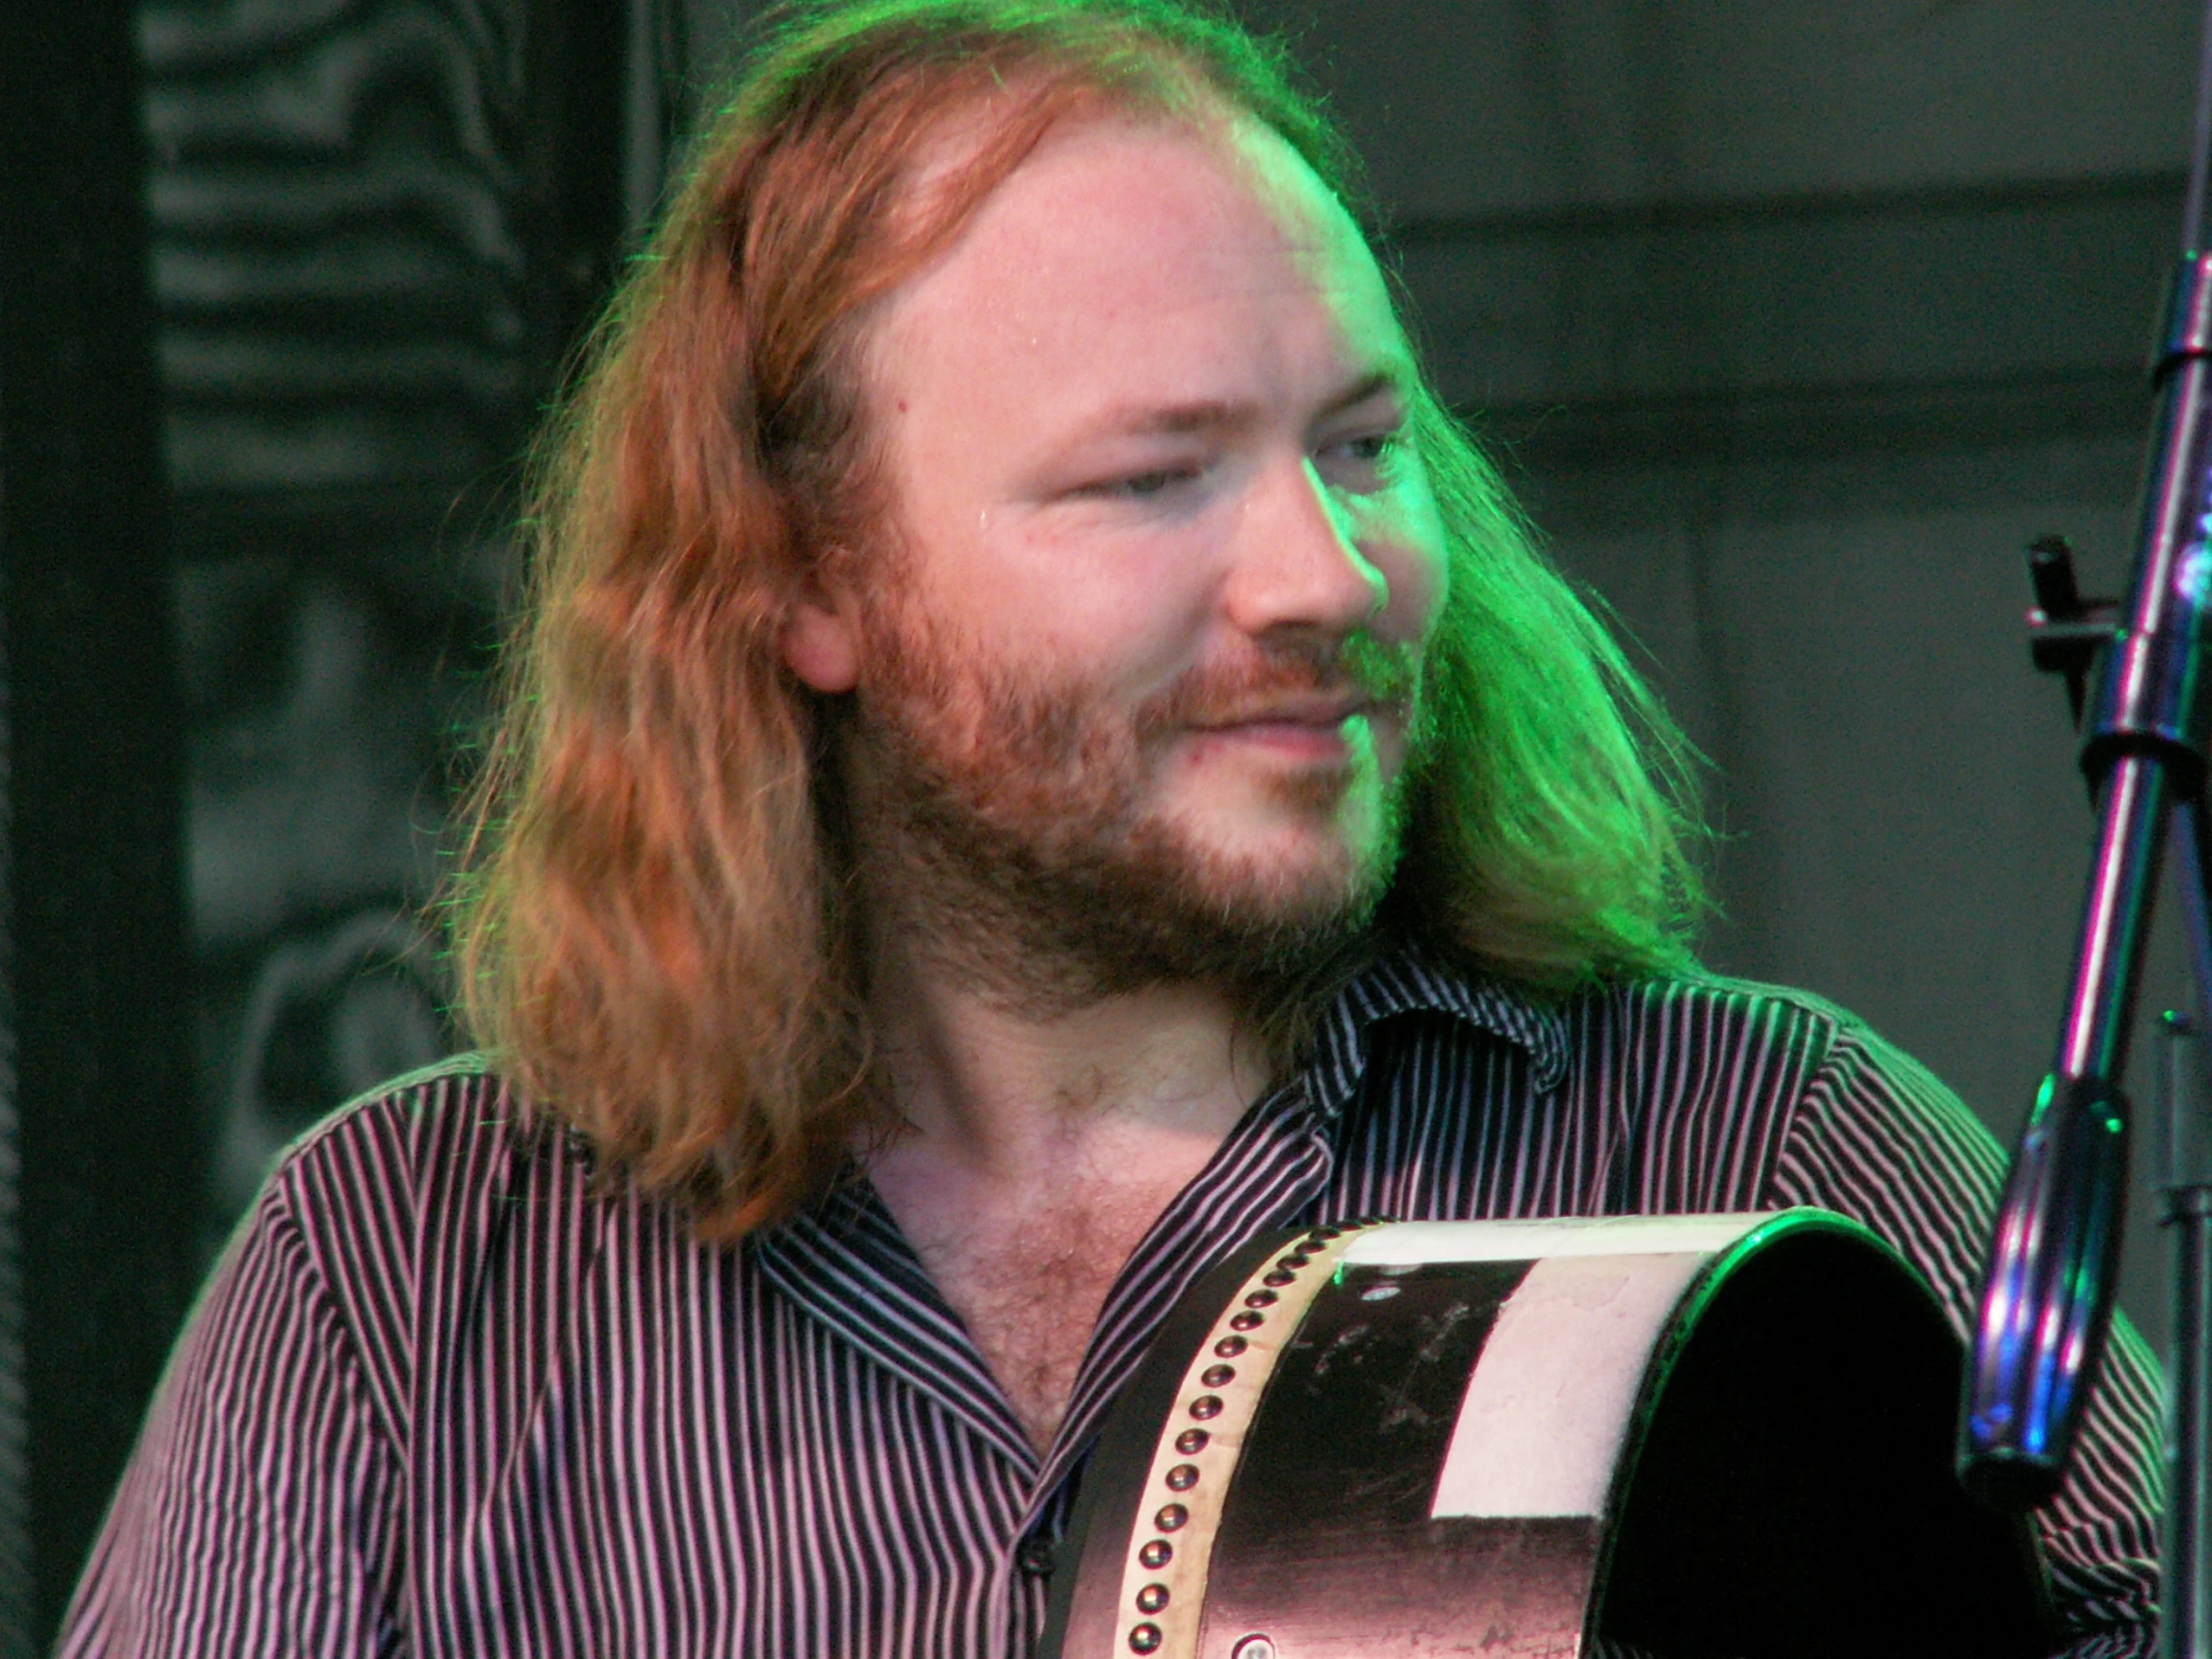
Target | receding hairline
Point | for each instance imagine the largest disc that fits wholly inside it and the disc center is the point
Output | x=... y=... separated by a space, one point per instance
x=1253 y=149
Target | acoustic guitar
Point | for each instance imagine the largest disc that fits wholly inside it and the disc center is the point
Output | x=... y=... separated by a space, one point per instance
x=1692 y=1436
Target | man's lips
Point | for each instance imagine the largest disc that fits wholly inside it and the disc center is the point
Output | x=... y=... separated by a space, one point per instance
x=1306 y=727
x=1319 y=712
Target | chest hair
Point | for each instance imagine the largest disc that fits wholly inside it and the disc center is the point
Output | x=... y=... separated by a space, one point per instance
x=1030 y=1283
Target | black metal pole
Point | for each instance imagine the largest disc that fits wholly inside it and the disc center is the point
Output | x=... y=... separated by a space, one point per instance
x=2047 y=1296
x=2185 y=1630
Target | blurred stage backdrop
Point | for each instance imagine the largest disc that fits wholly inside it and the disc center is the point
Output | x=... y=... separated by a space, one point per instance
x=1792 y=322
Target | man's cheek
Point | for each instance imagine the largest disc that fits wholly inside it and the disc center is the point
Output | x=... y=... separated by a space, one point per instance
x=1427 y=574
x=1421 y=566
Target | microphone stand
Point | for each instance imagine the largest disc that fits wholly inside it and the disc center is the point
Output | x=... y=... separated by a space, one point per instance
x=2186 y=1187
x=2047 y=1293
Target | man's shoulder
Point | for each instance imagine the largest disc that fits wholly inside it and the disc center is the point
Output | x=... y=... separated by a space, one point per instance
x=1698 y=1021
x=1690 y=1016
x=447 y=1129
x=1721 y=1003
x=462 y=1093
x=1801 y=1042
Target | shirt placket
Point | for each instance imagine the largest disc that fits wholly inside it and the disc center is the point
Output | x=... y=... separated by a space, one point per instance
x=1269 y=1172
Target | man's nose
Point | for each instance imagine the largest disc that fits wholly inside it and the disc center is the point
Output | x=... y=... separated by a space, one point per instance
x=1299 y=563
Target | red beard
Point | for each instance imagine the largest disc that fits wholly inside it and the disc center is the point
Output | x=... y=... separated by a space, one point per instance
x=999 y=819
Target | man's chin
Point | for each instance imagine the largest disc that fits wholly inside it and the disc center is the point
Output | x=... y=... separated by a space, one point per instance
x=1298 y=864
x=1297 y=893
x=1264 y=898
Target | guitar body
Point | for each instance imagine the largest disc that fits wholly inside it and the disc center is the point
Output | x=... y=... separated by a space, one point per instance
x=1697 y=1436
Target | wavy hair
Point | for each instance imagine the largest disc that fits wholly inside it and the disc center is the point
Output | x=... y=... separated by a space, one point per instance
x=651 y=912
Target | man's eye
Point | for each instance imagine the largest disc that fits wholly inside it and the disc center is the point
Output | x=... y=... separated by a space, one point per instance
x=1371 y=446
x=1363 y=460
x=1140 y=486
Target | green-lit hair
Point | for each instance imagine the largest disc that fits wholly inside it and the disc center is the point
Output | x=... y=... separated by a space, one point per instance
x=1548 y=841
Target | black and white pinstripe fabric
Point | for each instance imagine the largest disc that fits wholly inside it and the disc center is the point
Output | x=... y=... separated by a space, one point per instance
x=451 y=1394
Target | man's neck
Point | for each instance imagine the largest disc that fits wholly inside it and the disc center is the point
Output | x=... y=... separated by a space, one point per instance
x=1040 y=1148
x=1005 y=1093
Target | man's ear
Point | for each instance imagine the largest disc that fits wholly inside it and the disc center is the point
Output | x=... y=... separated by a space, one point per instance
x=821 y=641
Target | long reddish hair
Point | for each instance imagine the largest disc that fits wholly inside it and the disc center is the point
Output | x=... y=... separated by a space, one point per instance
x=651 y=915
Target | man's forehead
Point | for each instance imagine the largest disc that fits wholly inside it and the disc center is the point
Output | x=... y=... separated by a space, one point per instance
x=1117 y=167
x=1145 y=230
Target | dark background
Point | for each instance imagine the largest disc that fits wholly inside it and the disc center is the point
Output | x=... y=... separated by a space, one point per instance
x=1793 y=321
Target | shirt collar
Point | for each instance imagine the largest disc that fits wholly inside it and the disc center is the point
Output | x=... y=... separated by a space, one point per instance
x=1404 y=979
x=844 y=1261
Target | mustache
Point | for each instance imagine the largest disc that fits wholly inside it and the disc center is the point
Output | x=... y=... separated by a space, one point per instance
x=1361 y=669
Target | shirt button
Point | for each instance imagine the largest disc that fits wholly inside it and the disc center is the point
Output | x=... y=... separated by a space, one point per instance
x=1035 y=1555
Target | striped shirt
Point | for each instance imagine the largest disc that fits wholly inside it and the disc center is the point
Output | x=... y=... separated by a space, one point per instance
x=448 y=1393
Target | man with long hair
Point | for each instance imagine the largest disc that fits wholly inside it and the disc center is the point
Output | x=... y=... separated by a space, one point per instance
x=1035 y=751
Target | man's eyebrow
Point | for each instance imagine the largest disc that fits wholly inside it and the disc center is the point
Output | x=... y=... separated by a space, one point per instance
x=1218 y=416
x=1141 y=420
x=1392 y=379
